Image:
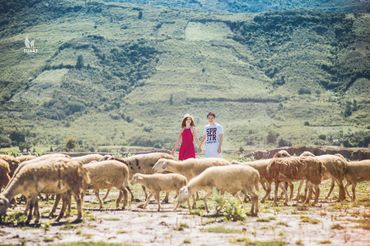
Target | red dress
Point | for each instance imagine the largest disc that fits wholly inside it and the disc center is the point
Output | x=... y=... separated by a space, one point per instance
x=187 y=149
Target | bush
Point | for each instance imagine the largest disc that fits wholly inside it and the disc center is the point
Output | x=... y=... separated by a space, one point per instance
x=282 y=142
x=306 y=123
x=70 y=144
x=232 y=209
x=5 y=141
x=17 y=137
x=322 y=136
x=303 y=91
x=271 y=137
x=80 y=62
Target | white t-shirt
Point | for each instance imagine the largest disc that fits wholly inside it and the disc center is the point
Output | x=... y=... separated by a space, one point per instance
x=212 y=133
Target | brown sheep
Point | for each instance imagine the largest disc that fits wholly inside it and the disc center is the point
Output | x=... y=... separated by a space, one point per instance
x=357 y=171
x=4 y=173
x=23 y=158
x=12 y=161
x=291 y=169
x=335 y=169
x=50 y=177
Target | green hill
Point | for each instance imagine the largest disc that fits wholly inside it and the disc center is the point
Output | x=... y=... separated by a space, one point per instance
x=109 y=73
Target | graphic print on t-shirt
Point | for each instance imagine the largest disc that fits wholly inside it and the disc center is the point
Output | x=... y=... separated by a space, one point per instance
x=212 y=135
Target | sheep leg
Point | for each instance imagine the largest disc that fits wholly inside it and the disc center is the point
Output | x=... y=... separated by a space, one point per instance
x=299 y=190
x=331 y=189
x=69 y=203
x=254 y=199
x=157 y=197
x=61 y=213
x=147 y=200
x=78 y=200
x=276 y=193
x=98 y=197
x=56 y=202
x=346 y=189
x=131 y=194
x=342 y=193
x=189 y=207
x=317 y=194
x=354 y=191
x=119 y=198
x=106 y=194
x=165 y=200
x=285 y=192
x=37 y=212
x=177 y=204
x=205 y=200
x=268 y=191
x=194 y=201
x=291 y=187
x=308 y=197
x=125 y=197
x=30 y=209
x=144 y=189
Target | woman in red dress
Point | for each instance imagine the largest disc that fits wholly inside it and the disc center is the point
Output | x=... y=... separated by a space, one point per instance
x=186 y=136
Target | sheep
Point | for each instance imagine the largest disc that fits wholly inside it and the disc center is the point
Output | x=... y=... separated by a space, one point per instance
x=158 y=182
x=296 y=168
x=357 y=171
x=143 y=163
x=281 y=153
x=12 y=161
x=335 y=169
x=89 y=158
x=108 y=174
x=190 y=167
x=4 y=173
x=23 y=158
x=229 y=178
x=50 y=177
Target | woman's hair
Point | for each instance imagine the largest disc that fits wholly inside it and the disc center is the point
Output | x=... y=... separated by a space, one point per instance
x=183 y=123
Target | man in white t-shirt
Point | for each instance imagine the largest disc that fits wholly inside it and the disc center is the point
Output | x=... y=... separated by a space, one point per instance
x=213 y=136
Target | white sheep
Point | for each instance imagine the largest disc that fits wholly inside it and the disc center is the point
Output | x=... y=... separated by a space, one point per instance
x=158 y=182
x=230 y=178
x=357 y=171
x=50 y=177
x=108 y=174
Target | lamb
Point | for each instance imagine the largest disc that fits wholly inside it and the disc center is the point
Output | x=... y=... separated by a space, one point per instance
x=12 y=161
x=229 y=178
x=158 y=182
x=357 y=171
x=290 y=169
x=143 y=163
x=50 y=177
x=4 y=173
x=108 y=174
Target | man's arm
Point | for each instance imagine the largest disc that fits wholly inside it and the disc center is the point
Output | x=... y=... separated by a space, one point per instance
x=221 y=141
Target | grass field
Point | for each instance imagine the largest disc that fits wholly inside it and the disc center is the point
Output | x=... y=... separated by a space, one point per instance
x=145 y=66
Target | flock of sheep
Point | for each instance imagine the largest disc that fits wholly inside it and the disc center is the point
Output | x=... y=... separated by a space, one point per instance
x=65 y=177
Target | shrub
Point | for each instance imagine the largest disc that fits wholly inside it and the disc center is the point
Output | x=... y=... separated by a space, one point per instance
x=17 y=137
x=70 y=144
x=80 y=62
x=303 y=91
x=306 y=123
x=271 y=137
x=282 y=142
x=5 y=141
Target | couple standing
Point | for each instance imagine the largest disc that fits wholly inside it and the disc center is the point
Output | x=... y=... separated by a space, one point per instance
x=213 y=135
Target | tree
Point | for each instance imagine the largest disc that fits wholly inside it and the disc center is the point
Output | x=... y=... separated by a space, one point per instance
x=71 y=144
x=80 y=62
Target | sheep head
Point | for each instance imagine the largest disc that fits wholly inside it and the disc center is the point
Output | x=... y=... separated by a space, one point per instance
x=160 y=165
x=281 y=153
x=4 y=204
x=136 y=178
x=307 y=153
x=184 y=194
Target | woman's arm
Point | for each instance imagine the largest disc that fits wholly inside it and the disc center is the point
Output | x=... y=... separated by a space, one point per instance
x=177 y=142
x=194 y=131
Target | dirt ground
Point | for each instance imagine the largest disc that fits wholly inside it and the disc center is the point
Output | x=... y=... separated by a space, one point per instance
x=330 y=223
